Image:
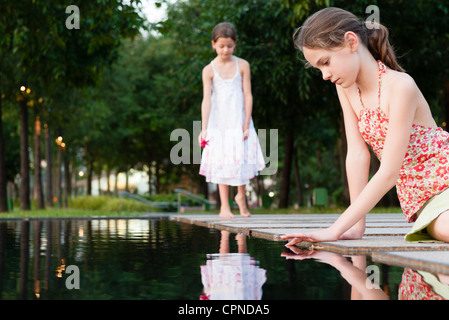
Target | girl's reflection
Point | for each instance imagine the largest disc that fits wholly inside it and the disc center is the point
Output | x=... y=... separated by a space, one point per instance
x=420 y=285
x=232 y=276
x=415 y=285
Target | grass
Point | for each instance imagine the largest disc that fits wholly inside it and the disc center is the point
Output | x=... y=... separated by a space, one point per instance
x=66 y=213
x=84 y=207
x=104 y=206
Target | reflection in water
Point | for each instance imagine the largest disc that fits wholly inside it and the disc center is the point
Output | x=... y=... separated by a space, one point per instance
x=420 y=285
x=155 y=259
x=232 y=276
x=415 y=285
x=117 y=259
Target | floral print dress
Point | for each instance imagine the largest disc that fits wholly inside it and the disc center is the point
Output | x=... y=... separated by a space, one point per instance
x=419 y=285
x=425 y=170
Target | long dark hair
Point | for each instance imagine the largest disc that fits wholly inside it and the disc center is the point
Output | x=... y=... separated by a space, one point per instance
x=224 y=30
x=326 y=28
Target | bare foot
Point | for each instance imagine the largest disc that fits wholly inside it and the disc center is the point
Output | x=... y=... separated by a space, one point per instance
x=226 y=214
x=244 y=212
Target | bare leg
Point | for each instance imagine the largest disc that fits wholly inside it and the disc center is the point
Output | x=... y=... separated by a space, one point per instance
x=241 y=243
x=240 y=198
x=224 y=242
x=360 y=263
x=439 y=228
x=225 y=210
x=356 y=232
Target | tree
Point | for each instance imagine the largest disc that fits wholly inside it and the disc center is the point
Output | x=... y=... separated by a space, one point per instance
x=418 y=33
x=281 y=90
x=3 y=194
x=288 y=96
x=49 y=56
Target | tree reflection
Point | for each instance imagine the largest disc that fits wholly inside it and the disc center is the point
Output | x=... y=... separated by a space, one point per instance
x=24 y=258
x=160 y=259
x=117 y=258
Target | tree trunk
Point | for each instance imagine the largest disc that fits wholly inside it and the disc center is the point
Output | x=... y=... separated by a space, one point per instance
x=150 y=173
x=127 y=179
x=59 y=174
x=260 y=188
x=24 y=158
x=3 y=183
x=343 y=150
x=67 y=180
x=108 y=180
x=298 y=179
x=204 y=188
x=286 y=171
x=49 y=170
x=37 y=162
x=90 y=170
x=99 y=171
x=150 y=178
x=116 y=183
x=157 y=183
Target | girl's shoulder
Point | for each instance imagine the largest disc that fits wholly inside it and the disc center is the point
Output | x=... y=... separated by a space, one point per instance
x=242 y=62
x=399 y=84
x=398 y=80
x=208 y=70
x=401 y=76
x=243 y=65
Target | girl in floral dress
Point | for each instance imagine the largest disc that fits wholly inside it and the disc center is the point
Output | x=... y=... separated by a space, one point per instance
x=232 y=154
x=382 y=107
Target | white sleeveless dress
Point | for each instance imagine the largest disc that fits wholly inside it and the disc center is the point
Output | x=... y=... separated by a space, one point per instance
x=227 y=158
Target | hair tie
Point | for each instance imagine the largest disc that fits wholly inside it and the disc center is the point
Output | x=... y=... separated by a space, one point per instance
x=364 y=26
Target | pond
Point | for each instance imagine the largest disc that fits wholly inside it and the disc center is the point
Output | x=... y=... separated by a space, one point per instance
x=159 y=259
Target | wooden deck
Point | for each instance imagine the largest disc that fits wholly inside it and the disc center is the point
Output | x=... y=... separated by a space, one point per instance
x=383 y=240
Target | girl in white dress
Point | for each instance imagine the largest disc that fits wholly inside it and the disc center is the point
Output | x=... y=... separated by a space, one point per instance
x=232 y=154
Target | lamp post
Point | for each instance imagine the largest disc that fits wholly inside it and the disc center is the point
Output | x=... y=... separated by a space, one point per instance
x=49 y=170
x=61 y=147
x=38 y=188
x=25 y=203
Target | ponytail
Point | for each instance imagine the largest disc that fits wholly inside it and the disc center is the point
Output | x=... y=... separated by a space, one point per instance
x=326 y=28
x=379 y=46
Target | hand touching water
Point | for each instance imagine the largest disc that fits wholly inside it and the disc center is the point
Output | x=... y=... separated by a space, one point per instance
x=316 y=236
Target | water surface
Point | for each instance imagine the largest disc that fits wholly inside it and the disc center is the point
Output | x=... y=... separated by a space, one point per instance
x=159 y=259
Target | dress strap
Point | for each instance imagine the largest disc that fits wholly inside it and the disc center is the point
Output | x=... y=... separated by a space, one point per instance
x=213 y=67
x=382 y=70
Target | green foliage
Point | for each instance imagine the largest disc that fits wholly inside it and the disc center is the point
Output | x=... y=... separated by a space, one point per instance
x=110 y=204
x=128 y=96
x=172 y=198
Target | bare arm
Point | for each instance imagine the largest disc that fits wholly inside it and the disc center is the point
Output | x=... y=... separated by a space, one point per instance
x=357 y=158
x=402 y=111
x=247 y=94
x=206 y=102
x=358 y=155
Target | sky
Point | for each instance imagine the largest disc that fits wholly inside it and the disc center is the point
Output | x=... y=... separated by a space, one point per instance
x=153 y=13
